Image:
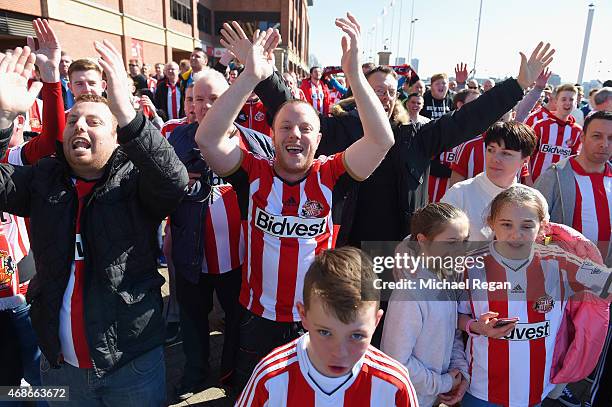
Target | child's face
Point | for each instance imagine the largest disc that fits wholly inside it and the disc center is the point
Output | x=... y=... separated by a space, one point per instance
x=501 y=163
x=334 y=346
x=516 y=227
x=444 y=243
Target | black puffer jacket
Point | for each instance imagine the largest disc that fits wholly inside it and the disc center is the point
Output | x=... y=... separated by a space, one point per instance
x=380 y=208
x=143 y=182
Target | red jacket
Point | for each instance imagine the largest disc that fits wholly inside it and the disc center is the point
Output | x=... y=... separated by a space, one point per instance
x=253 y=116
x=320 y=106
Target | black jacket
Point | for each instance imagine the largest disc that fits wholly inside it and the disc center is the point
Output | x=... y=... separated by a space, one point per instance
x=380 y=208
x=187 y=221
x=161 y=99
x=143 y=182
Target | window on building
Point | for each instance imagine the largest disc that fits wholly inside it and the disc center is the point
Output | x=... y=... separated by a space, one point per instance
x=181 y=10
x=249 y=21
x=204 y=19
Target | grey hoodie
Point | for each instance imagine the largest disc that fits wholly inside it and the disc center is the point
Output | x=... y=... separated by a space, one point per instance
x=421 y=332
x=558 y=186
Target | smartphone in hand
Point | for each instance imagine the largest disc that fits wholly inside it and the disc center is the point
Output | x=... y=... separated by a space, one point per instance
x=504 y=321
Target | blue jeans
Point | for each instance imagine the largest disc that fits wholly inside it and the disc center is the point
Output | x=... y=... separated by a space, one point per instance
x=471 y=401
x=142 y=382
x=28 y=348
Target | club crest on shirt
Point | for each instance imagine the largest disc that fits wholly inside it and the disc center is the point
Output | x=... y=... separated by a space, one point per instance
x=311 y=209
x=259 y=117
x=544 y=304
x=7 y=269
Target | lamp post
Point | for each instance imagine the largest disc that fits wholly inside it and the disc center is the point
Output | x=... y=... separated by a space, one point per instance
x=412 y=35
x=585 y=44
x=477 y=38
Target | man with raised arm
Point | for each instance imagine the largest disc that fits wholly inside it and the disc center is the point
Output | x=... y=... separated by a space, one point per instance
x=381 y=207
x=286 y=203
x=95 y=301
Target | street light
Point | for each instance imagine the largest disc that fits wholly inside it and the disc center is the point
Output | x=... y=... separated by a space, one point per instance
x=412 y=35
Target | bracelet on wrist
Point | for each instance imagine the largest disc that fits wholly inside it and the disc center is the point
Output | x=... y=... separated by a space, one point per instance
x=468 y=325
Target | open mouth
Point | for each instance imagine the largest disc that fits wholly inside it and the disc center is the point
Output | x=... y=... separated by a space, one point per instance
x=294 y=149
x=80 y=144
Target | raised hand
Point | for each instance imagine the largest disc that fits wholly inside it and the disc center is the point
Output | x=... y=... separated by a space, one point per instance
x=543 y=78
x=118 y=89
x=226 y=58
x=540 y=58
x=350 y=44
x=461 y=72
x=237 y=42
x=15 y=97
x=258 y=63
x=48 y=53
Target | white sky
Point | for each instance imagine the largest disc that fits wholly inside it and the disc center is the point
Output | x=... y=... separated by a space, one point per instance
x=445 y=33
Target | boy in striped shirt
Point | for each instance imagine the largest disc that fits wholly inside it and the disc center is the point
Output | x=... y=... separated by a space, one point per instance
x=334 y=363
x=558 y=135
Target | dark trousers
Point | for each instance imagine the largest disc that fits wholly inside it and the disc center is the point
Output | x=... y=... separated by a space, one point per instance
x=196 y=302
x=257 y=337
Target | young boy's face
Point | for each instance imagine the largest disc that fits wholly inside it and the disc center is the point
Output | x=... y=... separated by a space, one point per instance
x=335 y=347
x=566 y=102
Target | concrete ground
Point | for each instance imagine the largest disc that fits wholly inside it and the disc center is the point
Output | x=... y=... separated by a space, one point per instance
x=214 y=396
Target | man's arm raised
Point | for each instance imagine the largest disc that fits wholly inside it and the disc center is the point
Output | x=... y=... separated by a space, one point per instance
x=363 y=156
x=213 y=135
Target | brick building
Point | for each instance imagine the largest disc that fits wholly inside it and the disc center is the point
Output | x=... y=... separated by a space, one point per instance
x=158 y=30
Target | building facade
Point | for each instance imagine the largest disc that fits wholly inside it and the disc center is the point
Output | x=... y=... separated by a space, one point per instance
x=158 y=30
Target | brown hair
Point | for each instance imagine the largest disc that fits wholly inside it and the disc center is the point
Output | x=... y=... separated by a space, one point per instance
x=384 y=69
x=521 y=195
x=184 y=63
x=515 y=135
x=462 y=95
x=566 y=87
x=438 y=76
x=341 y=278
x=83 y=64
x=431 y=219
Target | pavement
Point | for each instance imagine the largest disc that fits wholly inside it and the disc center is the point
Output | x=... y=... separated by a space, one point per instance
x=215 y=396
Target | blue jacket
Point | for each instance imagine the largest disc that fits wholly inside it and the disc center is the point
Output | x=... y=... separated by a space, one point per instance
x=187 y=221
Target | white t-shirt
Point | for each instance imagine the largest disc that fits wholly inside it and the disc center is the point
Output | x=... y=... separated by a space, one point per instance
x=473 y=196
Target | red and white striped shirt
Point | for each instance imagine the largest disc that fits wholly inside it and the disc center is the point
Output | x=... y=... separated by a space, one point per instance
x=515 y=370
x=556 y=140
x=14 y=243
x=471 y=159
x=253 y=116
x=438 y=186
x=540 y=114
x=282 y=379
x=174 y=101
x=170 y=125
x=224 y=235
x=151 y=84
x=73 y=339
x=334 y=97
x=593 y=207
x=286 y=225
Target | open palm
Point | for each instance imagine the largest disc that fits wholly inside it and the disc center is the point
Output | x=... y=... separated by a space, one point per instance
x=48 y=53
x=15 y=70
x=258 y=62
x=531 y=68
